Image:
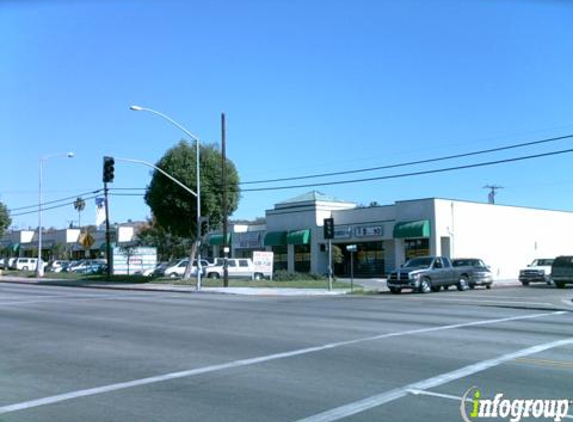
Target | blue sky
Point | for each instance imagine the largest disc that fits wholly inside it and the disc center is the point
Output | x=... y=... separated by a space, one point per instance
x=307 y=87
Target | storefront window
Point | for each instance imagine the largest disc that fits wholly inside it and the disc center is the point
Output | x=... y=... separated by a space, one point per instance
x=280 y=257
x=416 y=247
x=302 y=258
x=368 y=260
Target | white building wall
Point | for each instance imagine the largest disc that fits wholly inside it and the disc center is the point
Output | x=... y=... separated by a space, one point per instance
x=506 y=238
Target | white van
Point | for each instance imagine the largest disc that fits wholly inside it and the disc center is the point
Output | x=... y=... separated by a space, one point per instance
x=26 y=264
x=236 y=268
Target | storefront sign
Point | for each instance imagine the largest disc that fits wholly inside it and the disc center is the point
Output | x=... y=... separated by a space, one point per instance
x=365 y=231
x=342 y=232
x=263 y=262
x=249 y=240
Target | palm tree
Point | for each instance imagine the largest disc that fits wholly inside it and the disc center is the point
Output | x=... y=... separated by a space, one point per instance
x=79 y=205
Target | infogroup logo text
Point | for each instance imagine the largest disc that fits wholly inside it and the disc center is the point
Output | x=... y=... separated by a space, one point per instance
x=513 y=409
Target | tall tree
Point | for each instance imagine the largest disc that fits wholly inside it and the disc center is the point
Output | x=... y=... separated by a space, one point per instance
x=79 y=205
x=5 y=219
x=173 y=208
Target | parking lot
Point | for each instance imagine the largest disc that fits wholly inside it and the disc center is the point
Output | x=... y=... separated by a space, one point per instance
x=72 y=354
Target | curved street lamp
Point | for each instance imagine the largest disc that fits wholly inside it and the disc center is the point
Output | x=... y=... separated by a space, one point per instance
x=198 y=193
x=40 y=265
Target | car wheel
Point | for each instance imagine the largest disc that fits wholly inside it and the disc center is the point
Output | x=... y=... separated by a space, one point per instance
x=425 y=286
x=525 y=283
x=213 y=275
x=462 y=283
x=173 y=275
x=24 y=268
x=488 y=286
x=258 y=276
x=395 y=290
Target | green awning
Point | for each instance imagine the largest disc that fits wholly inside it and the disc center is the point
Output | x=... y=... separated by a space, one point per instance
x=217 y=239
x=275 y=238
x=411 y=229
x=14 y=247
x=298 y=237
x=103 y=246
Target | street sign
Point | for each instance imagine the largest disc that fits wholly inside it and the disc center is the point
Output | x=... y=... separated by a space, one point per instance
x=351 y=248
x=86 y=240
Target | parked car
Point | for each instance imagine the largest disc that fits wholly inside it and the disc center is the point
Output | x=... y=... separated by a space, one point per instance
x=87 y=266
x=236 y=268
x=11 y=265
x=539 y=271
x=479 y=274
x=92 y=266
x=57 y=265
x=26 y=264
x=177 y=268
x=562 y=271
x=428 y=274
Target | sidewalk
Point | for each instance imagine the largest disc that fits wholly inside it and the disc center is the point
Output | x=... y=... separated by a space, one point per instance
x=153 y=287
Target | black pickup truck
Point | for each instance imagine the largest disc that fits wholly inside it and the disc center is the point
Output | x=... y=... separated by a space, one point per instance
x=428 y=274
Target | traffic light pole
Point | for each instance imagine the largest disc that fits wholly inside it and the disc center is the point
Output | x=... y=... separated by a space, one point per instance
x=329 y=264
x=107 y=233
x=328 y=226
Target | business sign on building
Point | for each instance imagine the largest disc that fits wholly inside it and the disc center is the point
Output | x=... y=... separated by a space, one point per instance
x=342 y=232
x=369 y=231
x=248 y=240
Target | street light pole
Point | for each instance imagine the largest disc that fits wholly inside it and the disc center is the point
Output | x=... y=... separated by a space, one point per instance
x=39 y=265
x=198 y=193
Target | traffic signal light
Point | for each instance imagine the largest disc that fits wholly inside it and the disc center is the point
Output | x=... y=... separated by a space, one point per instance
x=108 y=169
x=204 y=226
x=329 y=228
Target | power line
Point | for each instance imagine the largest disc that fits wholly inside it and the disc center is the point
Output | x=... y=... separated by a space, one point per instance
x=418 y=173
x=56 y=200
x=411 y=163
x=49 y=208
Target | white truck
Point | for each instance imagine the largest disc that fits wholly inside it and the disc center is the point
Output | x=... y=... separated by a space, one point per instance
x=539 y=271
x=236 y=268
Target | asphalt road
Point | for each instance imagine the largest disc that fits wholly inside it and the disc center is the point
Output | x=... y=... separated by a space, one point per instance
x=73 y=354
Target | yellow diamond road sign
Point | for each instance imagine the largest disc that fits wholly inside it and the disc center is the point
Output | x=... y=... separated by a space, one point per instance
x=86 y=240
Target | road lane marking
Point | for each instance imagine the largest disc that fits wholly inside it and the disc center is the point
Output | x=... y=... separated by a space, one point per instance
x=398 y=393
x=450 y=397
x=251 y=361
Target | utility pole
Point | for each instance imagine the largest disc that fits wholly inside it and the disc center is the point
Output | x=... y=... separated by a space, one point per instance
x=224 y=200
x=492 y=192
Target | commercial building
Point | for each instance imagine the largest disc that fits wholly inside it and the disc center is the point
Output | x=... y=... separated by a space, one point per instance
x=507 y=238
x=73 y=243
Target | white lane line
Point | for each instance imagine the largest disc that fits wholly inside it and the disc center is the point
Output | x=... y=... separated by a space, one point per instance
x=252 y=361
x=440 y=395
x=398 y=393
x=450 y=397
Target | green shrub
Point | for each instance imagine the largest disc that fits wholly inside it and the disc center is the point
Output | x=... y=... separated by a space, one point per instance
x=283 y=275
